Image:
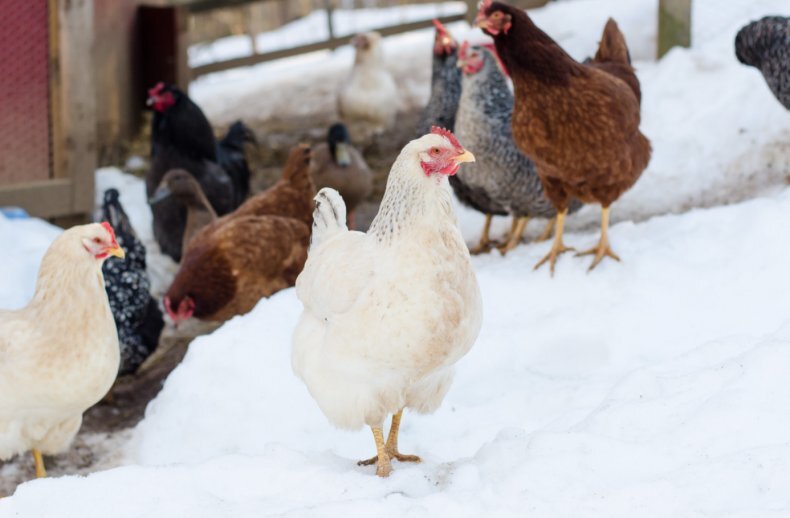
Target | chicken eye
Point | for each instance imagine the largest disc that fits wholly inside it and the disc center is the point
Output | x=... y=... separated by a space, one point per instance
x=96 y=240
x=496 y=15
x=435 y=151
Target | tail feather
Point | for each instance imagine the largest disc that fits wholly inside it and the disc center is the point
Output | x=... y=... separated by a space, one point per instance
x=612 y=48
x=613 y=58
x=231 y=157
x=329 y=216
x=113 y=213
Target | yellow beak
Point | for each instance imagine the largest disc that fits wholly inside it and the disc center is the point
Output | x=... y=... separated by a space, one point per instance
x=466 y=156
x=117 y=251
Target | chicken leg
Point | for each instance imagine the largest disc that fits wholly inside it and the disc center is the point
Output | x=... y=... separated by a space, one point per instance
x=391 y=447
x=484 y=244
x=382 y=458
x=41 y=471
x=547 y=231
x=602 y=249
x=558 y=247
x=516 y=231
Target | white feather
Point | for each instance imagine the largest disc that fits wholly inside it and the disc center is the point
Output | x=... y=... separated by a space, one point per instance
x=388 y=313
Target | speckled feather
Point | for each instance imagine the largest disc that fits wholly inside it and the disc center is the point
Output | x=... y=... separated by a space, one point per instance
x=137 y=315
x=765 y=45
x=578 y=123
x=445 y=94
x=508 y=178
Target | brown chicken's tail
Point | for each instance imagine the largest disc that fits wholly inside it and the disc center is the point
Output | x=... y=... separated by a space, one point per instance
x=612 y=48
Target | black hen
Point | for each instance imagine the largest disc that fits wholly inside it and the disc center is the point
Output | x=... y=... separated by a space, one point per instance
x=765 y=45
x=137 y=315
x=182 y=138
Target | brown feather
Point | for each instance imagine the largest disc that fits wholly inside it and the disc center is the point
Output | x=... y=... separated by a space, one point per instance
x=580 y=124
x=253 y=252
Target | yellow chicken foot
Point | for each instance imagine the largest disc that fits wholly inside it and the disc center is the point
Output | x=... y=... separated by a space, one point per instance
x=41 y=471
x=602 y=249
x=547 y=231
x=391 y=447
x=485 y=244
x=516 y=231
x=392 y=441
x=558 y=247
x=382 y=459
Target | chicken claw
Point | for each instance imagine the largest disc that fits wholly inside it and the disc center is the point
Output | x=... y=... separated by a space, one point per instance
x=382 y=460
x=484 y=246
x=390 y=449
x=516 y=232
x=558 y=247
x=602 y=249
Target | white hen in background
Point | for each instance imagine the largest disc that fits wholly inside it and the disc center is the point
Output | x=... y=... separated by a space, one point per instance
x=387 y=314
x=58 y=355
x=368 y=101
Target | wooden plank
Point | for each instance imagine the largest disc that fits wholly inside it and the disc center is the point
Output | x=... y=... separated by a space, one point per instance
x=77 y=104
x=196 y=6
x=314 y=47
x=40 y=199
x=674 y=25
x=57 y=164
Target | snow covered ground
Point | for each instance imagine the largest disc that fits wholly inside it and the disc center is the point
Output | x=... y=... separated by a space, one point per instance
x=653 y=387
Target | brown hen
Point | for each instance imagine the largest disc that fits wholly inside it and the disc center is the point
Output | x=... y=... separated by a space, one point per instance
x=252 y=253
x=578 y=122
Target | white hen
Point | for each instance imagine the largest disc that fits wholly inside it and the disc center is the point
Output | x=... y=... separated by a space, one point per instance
x=388 y=313
x=58 y=355
x=368 y=101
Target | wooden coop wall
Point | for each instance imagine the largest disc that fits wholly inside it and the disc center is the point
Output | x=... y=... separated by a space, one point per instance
x=25 y=152
x=47 y=108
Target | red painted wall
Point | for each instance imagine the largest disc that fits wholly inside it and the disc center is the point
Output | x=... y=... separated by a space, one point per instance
x=24 y=92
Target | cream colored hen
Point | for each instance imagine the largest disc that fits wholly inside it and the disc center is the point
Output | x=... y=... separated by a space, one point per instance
x=368 y=101
x=388 y=313
x=58 y=355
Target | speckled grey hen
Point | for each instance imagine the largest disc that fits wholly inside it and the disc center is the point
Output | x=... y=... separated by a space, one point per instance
x=441 y=111
x=765 y=45
x=506 y=176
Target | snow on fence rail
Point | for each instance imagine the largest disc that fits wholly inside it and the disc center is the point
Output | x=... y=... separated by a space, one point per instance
x=324 y=27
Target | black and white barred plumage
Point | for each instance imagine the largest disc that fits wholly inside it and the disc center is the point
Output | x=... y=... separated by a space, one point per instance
x=765 y=45
x=506 y=177
x=137 y=315
x=445 y=94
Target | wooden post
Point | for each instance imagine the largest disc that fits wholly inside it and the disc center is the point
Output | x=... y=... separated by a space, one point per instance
x=674 y=25
x=471 y=10
x=75 y=135
x=328 y=5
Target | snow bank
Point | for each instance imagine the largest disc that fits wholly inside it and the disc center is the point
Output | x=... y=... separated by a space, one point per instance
x=25 y=242
x=655 y=386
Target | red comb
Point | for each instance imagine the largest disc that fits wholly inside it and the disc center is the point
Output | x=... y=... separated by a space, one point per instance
x=156 y=89
x=439 y=27
x=436 y=130
x=110 y=231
